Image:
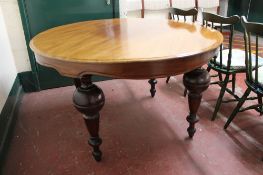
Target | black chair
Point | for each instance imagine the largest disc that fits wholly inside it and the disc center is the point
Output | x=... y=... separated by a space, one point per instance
x=254 y=69
x=182 y=15
x=229 y=62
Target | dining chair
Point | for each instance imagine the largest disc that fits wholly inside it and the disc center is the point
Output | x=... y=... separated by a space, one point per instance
x=184 y=16
x=254 y=69
x=229 y=62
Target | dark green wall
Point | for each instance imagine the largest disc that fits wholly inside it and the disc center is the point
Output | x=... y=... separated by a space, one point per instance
x=8 y=117
x=40 y=15
x=253 y=9
x=256 y=11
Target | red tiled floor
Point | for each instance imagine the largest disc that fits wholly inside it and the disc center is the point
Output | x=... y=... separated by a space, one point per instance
x=140 y=135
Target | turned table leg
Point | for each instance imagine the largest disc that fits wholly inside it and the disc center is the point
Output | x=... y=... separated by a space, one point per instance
x=153 y=83
x=89 y=100
x=195 y=82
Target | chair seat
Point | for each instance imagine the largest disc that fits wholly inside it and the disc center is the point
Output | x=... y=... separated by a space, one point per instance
x=237 y=60
x=216 y=25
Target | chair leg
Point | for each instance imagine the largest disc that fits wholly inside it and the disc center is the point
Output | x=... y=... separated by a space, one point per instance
x=260 y=102
x=152 y=82
x=220 y=98
x=233 y=83
x=220 y=76
x=167 y=80
x=239 y=105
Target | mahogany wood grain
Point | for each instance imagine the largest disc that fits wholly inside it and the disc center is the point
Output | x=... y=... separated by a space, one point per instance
x=126 y=48
x=89 y=99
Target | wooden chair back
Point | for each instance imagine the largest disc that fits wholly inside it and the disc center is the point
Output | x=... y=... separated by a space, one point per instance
x=252 y=29
x=209 y=20
x=183 y=13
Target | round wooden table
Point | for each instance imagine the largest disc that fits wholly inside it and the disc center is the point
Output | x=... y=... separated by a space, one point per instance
x=128 y=49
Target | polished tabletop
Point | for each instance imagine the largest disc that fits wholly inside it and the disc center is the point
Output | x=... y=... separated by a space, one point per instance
x=122 y=41
x=127 y=48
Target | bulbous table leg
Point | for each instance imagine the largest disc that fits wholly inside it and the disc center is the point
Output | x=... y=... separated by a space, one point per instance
x=89 y=100
x=195 y=82
x=152 y=82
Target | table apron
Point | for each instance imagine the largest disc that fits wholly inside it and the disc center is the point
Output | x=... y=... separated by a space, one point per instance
x=129 y=70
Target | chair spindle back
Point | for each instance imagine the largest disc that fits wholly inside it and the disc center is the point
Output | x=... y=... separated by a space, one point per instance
x=219 y=22
x=252 y=29
x=179 y=12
